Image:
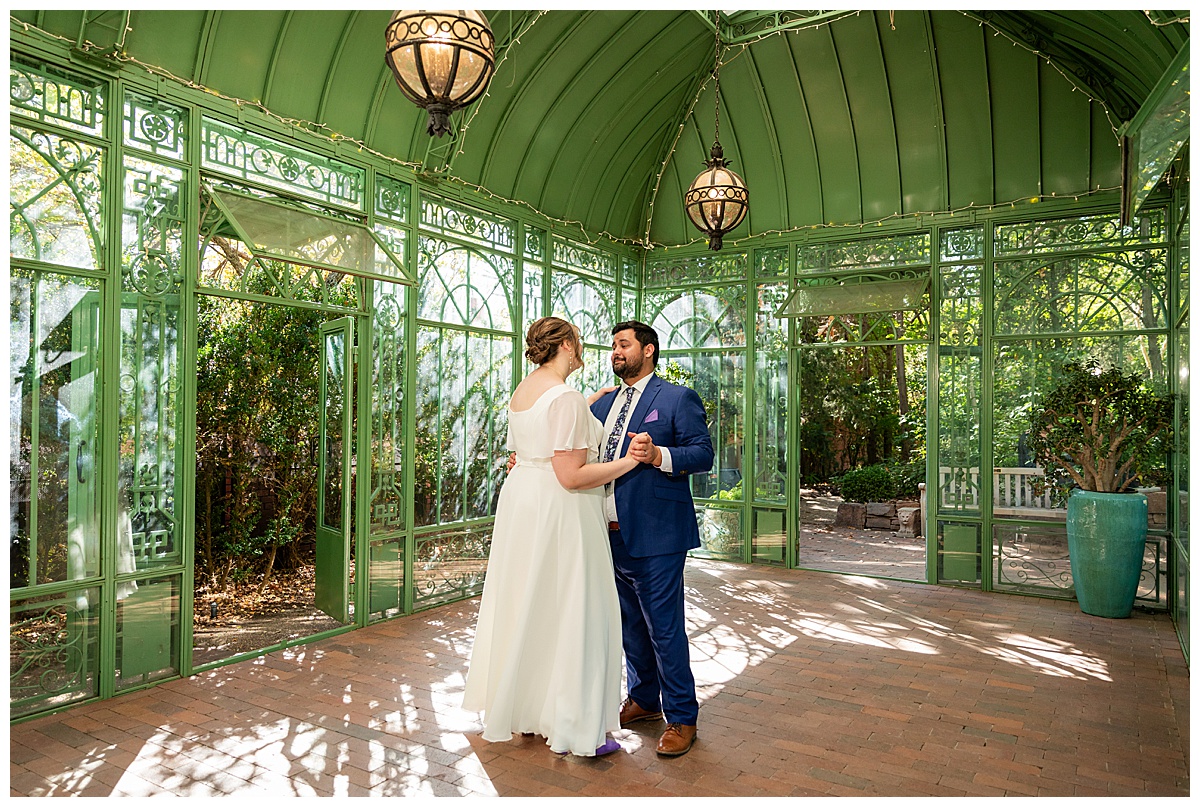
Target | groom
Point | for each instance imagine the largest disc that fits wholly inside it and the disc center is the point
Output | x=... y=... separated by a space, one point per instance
x=652 y=525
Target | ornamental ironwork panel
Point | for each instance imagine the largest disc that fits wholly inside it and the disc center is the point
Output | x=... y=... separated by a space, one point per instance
x=53 y=651
x=152 y=227
x=583 y=259
x=1079 y=233
x=443 y=217
x=962 y=244
x=694 y=269
x=155 y=126
x=891 y=252
x=1033 y=559
x=464 y=380
x=770 y=263
x=462 y=285
x=245 y=155
x=226 y=265
x=147 y=528
x=629 y=269
x=959 y=388
x=587 y=303
x=54 y=96
x=770 y=396
x=450 y=564
x=391 y=200
x=1115 y=291
x=698 y=318
x=389 y=350
x=54 y=199
x=535 y=245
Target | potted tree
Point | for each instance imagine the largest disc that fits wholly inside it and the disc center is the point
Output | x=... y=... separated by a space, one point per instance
x=1097 y=432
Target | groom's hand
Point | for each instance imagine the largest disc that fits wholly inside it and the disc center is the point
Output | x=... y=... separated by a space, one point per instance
x=512 y=460
x=642 y=448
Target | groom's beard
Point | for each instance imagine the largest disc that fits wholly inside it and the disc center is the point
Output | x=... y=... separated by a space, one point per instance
x=627 y=369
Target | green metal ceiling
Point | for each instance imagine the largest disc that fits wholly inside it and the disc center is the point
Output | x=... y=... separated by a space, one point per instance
x=604 y=117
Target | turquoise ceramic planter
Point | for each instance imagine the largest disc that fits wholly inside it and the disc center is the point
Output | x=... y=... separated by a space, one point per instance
x=1106 y=536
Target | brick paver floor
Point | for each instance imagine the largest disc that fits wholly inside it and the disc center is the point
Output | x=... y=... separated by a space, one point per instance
x=810 y=684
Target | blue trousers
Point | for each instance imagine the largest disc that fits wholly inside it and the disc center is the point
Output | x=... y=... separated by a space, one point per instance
x=653 y=632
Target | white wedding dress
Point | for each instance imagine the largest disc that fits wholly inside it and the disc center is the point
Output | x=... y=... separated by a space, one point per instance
x=547 y=652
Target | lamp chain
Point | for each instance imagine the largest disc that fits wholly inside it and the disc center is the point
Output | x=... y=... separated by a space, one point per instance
x=717 y=79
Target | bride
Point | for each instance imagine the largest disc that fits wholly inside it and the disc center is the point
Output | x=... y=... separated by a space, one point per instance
x=547 y=653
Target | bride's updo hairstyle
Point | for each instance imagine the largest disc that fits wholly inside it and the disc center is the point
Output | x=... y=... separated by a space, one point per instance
x=544 y=336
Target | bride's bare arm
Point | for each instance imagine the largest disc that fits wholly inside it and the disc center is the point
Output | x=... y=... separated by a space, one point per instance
x=575 y=473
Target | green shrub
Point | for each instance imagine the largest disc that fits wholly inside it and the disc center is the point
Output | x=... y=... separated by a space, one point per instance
x=906 y=477
x=870 y=484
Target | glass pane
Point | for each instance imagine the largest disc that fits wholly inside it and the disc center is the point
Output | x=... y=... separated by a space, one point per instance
x=290 y=233
x=53 y=96
x=1079 y=233
x=154 y=126
x=464 y=286
x=450 y=564
x=588 y=304
x=893 y=251
x=391 y=199
x=717 y=378
x=152 y=236
x=1112 y=292
x=464 y=381
x=1024 y=371
x=227 y=264
x=53 y=651
x=388 y=354
x=464 y=223
x=959 y=388
x=770 y=397
x=698 y=318
x=690 y=269
x=147 y=631
x=54 y=365
x=769 y=263
x=858 y=298
x=54 y=199
x=334 y=443
x=582 y=258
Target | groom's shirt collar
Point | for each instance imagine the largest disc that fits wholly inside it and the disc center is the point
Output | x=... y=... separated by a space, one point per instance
x=640 y=385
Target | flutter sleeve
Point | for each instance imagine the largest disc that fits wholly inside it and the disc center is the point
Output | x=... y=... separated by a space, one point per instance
x=568 y=422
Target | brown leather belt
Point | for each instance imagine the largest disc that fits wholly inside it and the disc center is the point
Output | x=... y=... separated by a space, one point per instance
x=612 y=527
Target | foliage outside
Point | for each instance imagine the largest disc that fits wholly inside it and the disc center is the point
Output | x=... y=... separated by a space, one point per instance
x=1098 y=429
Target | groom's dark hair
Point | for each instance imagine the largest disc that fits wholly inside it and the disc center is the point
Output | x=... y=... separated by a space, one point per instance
x=643 y=333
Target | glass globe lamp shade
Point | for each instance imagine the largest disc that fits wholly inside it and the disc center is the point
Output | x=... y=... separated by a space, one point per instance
x=717 y=199
x=442 y=60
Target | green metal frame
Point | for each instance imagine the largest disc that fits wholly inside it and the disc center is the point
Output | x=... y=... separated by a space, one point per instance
x=633 y=275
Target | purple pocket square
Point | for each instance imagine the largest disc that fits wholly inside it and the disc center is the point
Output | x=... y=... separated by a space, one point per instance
x=650 y=418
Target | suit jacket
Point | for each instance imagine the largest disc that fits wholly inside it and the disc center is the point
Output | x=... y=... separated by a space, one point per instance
x=654 y=509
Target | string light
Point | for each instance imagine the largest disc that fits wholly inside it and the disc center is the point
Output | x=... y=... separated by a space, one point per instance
x=462 y=134
x=645 y=242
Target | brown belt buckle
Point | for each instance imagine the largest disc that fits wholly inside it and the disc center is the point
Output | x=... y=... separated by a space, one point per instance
x=612 y=527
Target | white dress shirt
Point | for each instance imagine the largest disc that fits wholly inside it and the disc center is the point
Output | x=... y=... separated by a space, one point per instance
x=610 y=501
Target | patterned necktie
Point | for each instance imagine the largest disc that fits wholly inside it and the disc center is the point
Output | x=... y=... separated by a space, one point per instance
x=614 y=439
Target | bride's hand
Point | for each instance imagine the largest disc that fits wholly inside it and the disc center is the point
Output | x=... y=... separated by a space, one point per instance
x=598 y=394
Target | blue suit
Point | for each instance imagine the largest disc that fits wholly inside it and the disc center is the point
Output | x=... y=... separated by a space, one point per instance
x=657 y=522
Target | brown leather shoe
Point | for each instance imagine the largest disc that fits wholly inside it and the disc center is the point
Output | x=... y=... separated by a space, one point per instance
x=676 y=740
x=632 y=713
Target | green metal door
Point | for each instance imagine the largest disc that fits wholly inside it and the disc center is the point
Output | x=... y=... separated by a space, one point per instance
x=333 y=471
